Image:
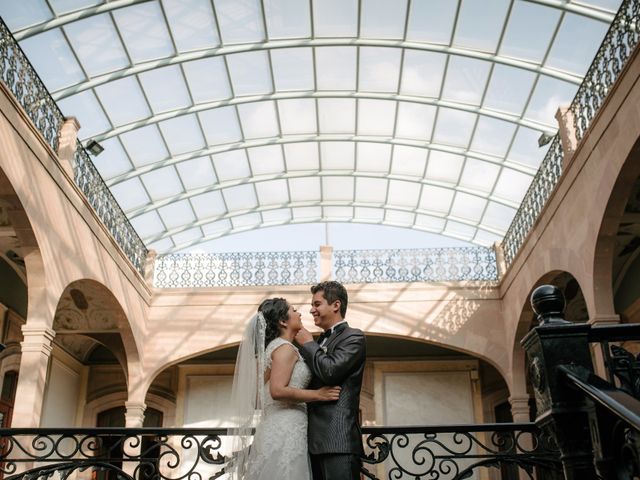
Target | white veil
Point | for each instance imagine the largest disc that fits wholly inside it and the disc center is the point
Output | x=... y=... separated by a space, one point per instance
x=247 y=395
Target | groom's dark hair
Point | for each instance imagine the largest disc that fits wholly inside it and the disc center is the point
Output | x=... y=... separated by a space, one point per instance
x=332 y=291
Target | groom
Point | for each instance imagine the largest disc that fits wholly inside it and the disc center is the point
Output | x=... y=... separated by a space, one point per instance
x=336 y=358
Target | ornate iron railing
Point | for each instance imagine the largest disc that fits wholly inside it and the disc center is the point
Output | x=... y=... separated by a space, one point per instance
x=415 y=265
x=235 y=269
x=25 y=84
x=107 y=208
x=450 y=452
x=20 y=77
x=618 y=44
x=534 y=200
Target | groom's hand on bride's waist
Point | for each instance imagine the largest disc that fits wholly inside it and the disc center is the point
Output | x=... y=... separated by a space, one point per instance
x=304 y=336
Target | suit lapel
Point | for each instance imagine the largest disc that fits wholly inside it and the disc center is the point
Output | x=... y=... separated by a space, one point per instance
x=336 y=335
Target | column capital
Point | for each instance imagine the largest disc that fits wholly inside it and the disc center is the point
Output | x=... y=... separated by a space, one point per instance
x=605 y=319
x=134 y=414
x=37 y=338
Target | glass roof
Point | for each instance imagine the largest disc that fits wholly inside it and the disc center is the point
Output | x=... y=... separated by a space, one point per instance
x=222 y=116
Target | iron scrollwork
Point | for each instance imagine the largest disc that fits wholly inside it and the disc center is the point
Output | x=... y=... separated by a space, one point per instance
x=416 y=265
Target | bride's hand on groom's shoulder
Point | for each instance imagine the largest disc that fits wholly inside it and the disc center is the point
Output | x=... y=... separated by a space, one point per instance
x=328 y=394
x=303 y=336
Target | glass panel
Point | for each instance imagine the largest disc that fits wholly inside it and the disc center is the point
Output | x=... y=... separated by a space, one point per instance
x=444 y=166
x=231 y=165
x=548 y=95
x=432 y=224
x=89 y=38
x=374 y=215
x=307 y=213
x=241 y=197
x=85 y=107
x=335 y=18
x=217 y=228
x=373 y=157
x=292 y=68
x=148 y=224
x=337 y=115
x=611 y=5
x=376 y=117
x=415 y=121
x=459 y=230
x=336 y=68
x=525 y=148
x=337 y=213
x=436 y=199
x=486 y=239
x=422 y=73
x=197 y=173
x=509 y=89
x=468 y=207
x=379 y=69
x=337 y=189
x=192 y=24
x=512 y=185
x=266 y=160
x=165 y=89
x=65 y=6
x=409 y=161
x=480 y=23
x=144 y=145
x=240 y=20
x=113 y=161
x=297 y=116
x=454 y=127
x=304 y=189
x=274 y=192
x=182 y=134
x=287 y=18
x=282 y=215
x=393 y=217
x=382 y=19
x=18 y=15
x=371 y=190
x=529 y=31
x=51 y=57
x=188 y=236
x=302 y=156
x=220 y=125
x=576 y=44
x=161 y=246
x=493 y=136
x=247 y=221
x=479 y=175
x=337 y=155
x=258 y=120
x=498 y=216
x=144 y=31
x=207 y=79
x=466 y=80
x=249 y=73
x=431 y=21
x=123 y=101
x=208 y=205
x=130 y=194
x=403 y=193
x=162 y=183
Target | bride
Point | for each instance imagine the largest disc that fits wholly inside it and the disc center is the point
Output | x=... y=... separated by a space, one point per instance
x=269 y=394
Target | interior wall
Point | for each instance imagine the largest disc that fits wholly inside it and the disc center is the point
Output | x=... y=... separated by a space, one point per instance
x=65 y=394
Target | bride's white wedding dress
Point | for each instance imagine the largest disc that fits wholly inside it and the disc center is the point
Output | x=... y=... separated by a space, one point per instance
x=279 y=449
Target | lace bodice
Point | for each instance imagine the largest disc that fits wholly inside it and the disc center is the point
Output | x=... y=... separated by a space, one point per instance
x=300 y=376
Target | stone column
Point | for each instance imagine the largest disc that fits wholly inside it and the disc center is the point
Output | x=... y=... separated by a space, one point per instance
x=520 y=408
x=67 y=144
x=501 y=264
x=133 y=418
x=326 y=254
x=149 y=267
x=597 y=353
x=36 y=350
x=567 y=132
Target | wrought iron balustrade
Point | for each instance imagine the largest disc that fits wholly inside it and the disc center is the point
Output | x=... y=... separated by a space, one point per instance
x=235 y=269
x=415 y=265
x=443 y=452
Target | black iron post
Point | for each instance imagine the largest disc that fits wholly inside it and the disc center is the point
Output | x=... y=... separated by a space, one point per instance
x=562 y=411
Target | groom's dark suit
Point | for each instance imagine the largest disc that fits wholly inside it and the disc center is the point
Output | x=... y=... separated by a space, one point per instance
x=334 y=427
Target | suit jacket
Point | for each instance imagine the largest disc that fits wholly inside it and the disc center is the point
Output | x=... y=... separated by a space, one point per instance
x=334 y=427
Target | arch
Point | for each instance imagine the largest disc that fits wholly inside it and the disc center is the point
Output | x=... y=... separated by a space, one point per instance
x=89 y=309
x=610 y=226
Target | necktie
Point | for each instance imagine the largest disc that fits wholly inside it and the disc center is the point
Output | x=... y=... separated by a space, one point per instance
x=325 y=334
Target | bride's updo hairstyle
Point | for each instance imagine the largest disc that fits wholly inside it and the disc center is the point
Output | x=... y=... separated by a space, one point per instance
x=274 y=311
